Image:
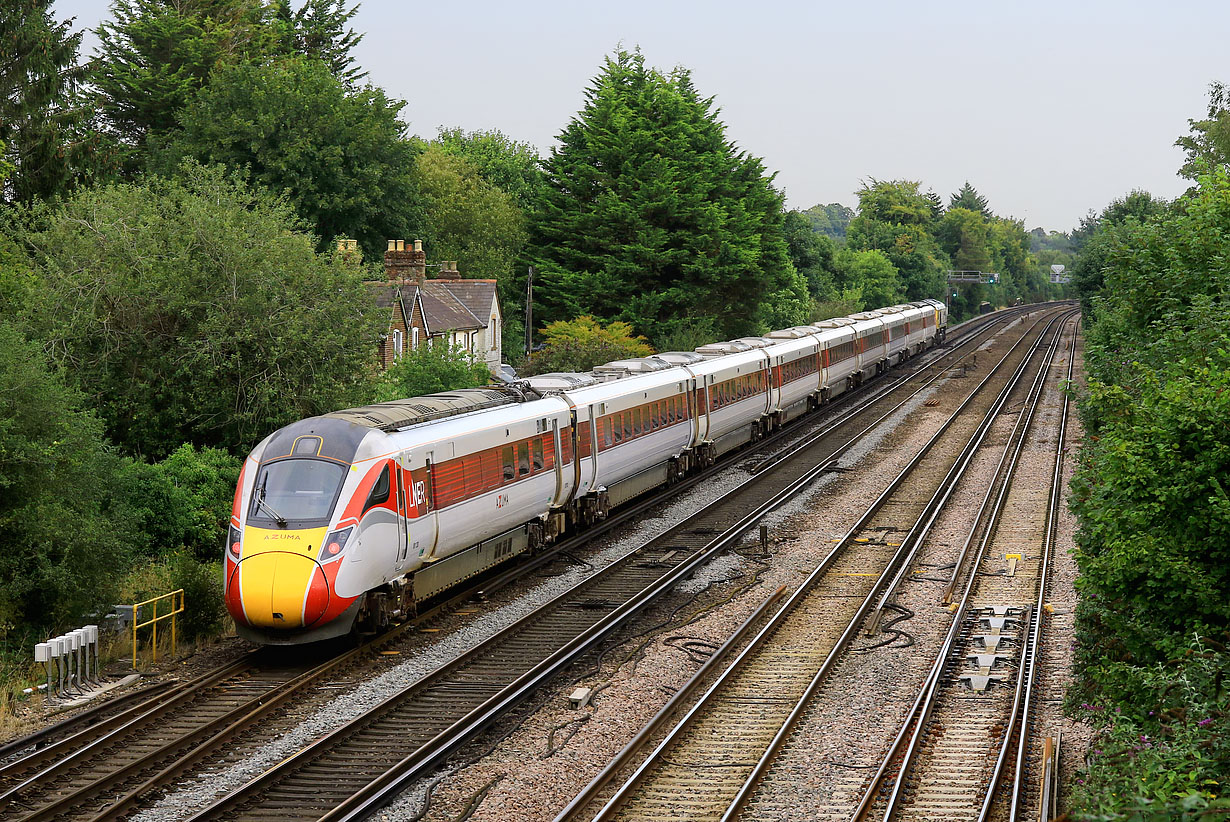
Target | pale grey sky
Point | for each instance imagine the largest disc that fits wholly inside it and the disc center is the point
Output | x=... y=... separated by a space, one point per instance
x=1048 y=108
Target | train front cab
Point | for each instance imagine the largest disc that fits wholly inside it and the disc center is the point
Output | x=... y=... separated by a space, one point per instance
x=286 y=538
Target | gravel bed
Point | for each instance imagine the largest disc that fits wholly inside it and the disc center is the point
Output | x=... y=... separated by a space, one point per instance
x=526 y=777
x=530 y=775
x=846 y=729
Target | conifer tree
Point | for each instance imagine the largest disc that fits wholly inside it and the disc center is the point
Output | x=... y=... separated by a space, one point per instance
x=651 y=216
x=155 y=55
x=318 y=29
x=46 y=144
x=968 y=197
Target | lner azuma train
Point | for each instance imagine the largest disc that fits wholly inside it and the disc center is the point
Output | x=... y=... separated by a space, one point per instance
x=352 y=518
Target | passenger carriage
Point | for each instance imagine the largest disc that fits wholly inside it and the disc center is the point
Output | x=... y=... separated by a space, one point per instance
x=354 y=517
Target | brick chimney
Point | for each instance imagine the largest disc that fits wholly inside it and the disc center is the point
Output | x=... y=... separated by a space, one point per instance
x=448 y=270
x=402 y=264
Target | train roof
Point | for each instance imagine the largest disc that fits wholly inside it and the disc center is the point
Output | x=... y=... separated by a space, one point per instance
x=390 y=416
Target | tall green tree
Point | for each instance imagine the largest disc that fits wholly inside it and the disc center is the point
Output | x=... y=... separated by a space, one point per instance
x=196 y=309
x=319 y=29
x=868 y=278
x=652 y=216
x=1094 y=239
x=811 y=252
x=897 y=218
x=831 y=220
x=467 y=218
x=963 y=235
x=509 y=165
x=1208 y=144
x=969 y=198
x=59 y=551
x=46 y=143
x=156 y=54
x=339 y=155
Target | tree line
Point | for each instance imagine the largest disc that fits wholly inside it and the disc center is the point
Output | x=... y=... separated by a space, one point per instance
x=170 y=290
x=1150 y=494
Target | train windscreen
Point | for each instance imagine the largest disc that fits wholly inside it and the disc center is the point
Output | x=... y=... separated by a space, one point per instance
x=297 y=489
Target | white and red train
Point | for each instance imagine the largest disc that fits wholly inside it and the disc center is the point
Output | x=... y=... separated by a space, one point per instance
x=352 y=518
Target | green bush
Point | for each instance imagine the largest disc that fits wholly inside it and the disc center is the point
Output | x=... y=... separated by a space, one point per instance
x=204 y=612
x=1164 y=752
x=58 y=548
x=183 y=501
x=580 y=344
x=430 y=369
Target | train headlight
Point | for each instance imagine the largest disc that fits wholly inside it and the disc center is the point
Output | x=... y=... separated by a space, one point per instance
x=335 y=544
x=232 y=541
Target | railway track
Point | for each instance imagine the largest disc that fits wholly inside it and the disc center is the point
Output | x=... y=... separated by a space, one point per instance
x=961 y=752
x=114 y=762
x=708 y=763
x=111 y=759
x=373 y=757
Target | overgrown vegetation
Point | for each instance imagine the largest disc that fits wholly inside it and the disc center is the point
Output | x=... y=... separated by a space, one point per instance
x=1150 y=494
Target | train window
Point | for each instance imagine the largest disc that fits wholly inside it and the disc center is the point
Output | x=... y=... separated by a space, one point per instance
x=548 y=451
x=380 y=490
x=523 y=458
x=670 y=411
x=617 y=427
x=307 y=446
x=510 y=470
x=536 y=453
x=636 y=421
x=608 y=430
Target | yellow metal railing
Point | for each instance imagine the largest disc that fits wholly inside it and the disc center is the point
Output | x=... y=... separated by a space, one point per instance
x=175 y=601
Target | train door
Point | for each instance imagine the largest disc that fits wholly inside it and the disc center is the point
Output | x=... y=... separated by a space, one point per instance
x=427 y=532
x=559 y=468
x=403 y=545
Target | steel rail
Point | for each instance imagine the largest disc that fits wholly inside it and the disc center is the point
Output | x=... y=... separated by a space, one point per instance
x=1044 y=575
x=909 y=547
x=90 y=717
x=795 y=598
x=916 y=718
x=84 y=743
x=621 y=759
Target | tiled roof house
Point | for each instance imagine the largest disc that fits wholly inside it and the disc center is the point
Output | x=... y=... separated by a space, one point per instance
x=462 y=313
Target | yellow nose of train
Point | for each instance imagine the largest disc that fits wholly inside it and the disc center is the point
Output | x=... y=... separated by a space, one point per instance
x=278 y=579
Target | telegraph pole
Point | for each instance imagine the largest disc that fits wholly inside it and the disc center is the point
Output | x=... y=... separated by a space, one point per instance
x=529 y=313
